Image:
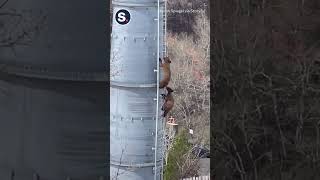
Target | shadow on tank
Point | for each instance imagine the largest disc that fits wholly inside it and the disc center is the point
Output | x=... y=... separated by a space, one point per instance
x=54 y=59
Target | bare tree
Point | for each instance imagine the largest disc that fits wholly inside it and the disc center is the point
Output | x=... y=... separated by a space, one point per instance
x=266 y=104
x=20 y=27
x=3 y=3
x=115 y=66
x=118 y=174
x=191 y=77
x=189 y=167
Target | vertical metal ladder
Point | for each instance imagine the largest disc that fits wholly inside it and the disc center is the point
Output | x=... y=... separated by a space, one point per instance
x=164 y=53
x=164 y=29
x=158 y=94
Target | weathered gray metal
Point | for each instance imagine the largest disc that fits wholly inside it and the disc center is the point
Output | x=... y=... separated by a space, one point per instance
x=52 y=109
x=65 y=40
x=55 y=129
x=134 y=45
x=133 y=94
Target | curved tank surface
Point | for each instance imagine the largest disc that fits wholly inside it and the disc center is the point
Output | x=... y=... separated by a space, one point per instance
x=53 y=129
x=54 y=59
x=55 y=39
x=133 y=91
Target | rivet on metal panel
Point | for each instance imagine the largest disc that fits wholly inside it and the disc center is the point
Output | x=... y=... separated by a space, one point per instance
x=145 y=38
x=153 y=148
x=155 y=70
x=154 y=99
x=152 y=133
x=141 y=119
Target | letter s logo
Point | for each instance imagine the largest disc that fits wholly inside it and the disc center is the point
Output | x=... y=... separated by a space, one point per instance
x=122 y=16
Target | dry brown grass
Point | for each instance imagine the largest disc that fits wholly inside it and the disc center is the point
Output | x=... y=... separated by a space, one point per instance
x=190 y=78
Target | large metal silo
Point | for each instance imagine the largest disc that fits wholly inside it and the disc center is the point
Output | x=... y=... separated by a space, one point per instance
x=56 y=39
x=53 y=92
x=136 y=128
x=52 y=129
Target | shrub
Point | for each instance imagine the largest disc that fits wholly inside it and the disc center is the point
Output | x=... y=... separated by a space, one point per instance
x=181 y=162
